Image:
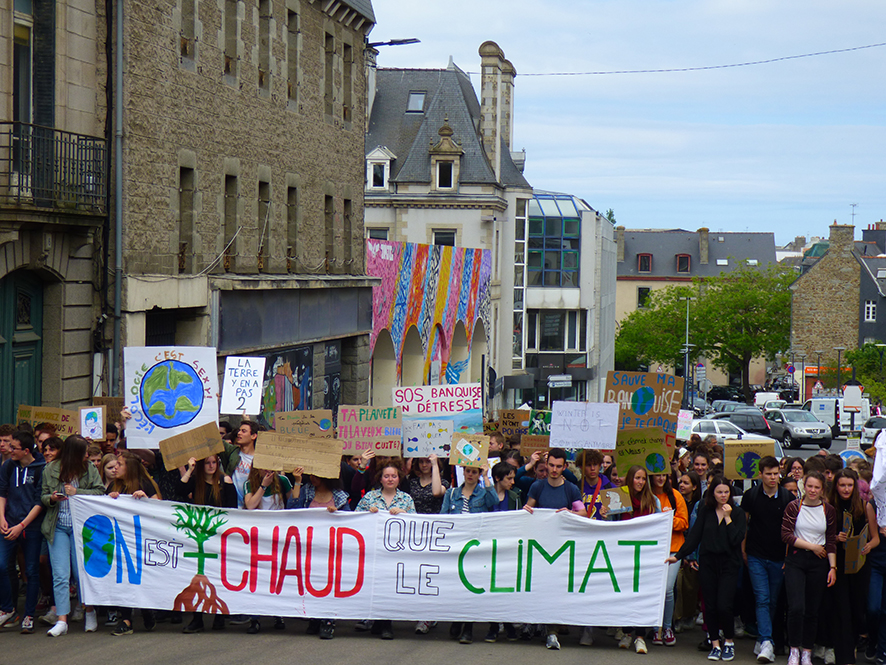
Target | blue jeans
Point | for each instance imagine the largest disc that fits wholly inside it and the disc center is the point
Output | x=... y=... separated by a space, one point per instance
x=766 y=579
x=64 y=568
x=30 y=541
x=673 y=570
x=877 y=597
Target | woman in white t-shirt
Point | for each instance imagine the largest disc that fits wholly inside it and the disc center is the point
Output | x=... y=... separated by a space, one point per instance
x=809 y=529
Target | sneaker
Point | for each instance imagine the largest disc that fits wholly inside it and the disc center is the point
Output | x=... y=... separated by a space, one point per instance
x=794 y=657
x=279 y=624
x=422 y=627
x=739 y=627
x=363 y=625
x=195 y=626
x=714 y=654
x=587 y=637
x=218 y=623
x=50 y=618
x=112 y=618
x=327 y=630
x=91 y=622
x=610 y=632
x=77 y=614
x=122 y=628
x=679 y=626
x=387 y=633
x=150 y=619
x=466 y=637
x=625 y=642
x=511 y=632
x=640 y=645
x=806 y=657
x=12 y=619
x=699 y=619
x=728 y=652
x=59 y=629
x=817 y=652
x=704 y=645
x=27 y=626
x=491 y=637
x=766 y=653
x=829 y=657
x=668 y=637
x=618 y=634
x=757 y=646
x=656 y=638
x=552 y=643
x=870 y=651
x=44 y=603
x=254 y=627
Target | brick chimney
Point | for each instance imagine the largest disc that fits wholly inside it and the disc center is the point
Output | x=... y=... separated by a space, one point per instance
x=842 y=236
x=703 y=245
x=492 y=60
x=799 y=243
x=506 y=121
x=620 y=244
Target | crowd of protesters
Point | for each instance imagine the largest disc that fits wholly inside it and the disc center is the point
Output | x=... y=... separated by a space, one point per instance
x=764 y=559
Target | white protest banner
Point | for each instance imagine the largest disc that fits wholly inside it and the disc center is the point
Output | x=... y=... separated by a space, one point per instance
x=684 y=424
x=422 y=438
x=461 y=403
x=547 y=567
x=580 y=425
x=169 y=390
x=241 y=386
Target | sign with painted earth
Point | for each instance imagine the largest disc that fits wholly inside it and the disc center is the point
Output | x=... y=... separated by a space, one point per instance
x=742 y=458
x=169 y=391
x=747 y=465
x=655 y=463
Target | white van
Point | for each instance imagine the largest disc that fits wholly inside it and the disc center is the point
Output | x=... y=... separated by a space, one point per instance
x=830 y=410
x=760 y=399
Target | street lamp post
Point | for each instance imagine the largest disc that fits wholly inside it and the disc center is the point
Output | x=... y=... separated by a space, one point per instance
x=839 y=350
x=818 y=372
x=802 y=394
x=685 y=350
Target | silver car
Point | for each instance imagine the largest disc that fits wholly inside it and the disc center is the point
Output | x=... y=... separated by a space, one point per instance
x=794 y=427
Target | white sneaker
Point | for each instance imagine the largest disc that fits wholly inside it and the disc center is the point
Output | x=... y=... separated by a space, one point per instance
x=91 y=622
x=739 y=627
x=806 y=657
x=829 y=657
x=625 y=642
x=699 y=619
x=50 y=618
x=552 y=642
x=6 y=616
x=77 y=614
x=60 y=628
x=422 y=628
x=640 y=645
x=766 y=653
x=757 y=646
x=587 y=637
x=619 y=634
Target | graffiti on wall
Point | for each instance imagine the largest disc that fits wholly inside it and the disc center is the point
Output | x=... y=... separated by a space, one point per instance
x=433 y=288
x=287 y=383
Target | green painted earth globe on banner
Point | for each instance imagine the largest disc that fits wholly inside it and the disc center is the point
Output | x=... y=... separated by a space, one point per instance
x=655 y=463
x=171 y=394
x=98 y=545
x=747 y=464
x=642 y=400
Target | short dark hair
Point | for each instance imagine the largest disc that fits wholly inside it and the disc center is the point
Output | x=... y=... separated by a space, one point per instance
x=501 y=470
x=253 y=426
x=559 y=453
x=833 y=463
x=768 y=462
x=7 y=430
x=111 y=428
x=815 y=463
x=589 y=456
x=25 y=440
x=701 y=453
x=225 y=425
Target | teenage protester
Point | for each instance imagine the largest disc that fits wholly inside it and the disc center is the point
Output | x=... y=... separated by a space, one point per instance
x=95 y=454
x=69 y=474
x=238 y=458
x=21 y=516
x=608 y=460
x=426 y=487
x=848 y=596
x=669 y=500
x=717 y=535
x=589 y=463
x=504 y=498
x=107 y=469
x=391 y=499
x=701 y=464
x=132 y=478
x=556 y=493
x=809 y=529
x=643 y=502
x=792 y=485
x=6 y=432
x=686 y=608
x=794 y=468
x=763 y=550
x=536 y=468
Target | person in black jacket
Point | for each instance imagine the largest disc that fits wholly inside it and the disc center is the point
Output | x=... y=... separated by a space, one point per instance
x=717 y=534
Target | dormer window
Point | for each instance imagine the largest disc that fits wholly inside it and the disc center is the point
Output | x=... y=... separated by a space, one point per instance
x=445 y=159
x=416 y=102
x=444 y=175
x=644 y=262
x=378 y=168
x=683 y=262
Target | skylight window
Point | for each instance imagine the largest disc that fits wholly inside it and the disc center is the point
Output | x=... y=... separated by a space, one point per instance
x=416 y=103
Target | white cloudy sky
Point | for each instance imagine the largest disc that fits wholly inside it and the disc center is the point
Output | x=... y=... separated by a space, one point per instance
x=783 y=147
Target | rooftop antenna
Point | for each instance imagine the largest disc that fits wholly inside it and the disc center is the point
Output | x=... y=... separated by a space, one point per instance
x=852 y=205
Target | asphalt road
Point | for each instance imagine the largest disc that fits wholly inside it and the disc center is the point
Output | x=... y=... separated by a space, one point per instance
x=168 y=646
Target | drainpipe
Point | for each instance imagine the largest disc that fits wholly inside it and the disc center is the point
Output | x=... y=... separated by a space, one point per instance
x=118 y=201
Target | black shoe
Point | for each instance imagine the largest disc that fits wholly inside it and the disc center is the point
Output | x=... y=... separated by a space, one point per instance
x=387 y=634
x=455 y=630
x=313 y=627
x=150 y=620
x=491 y=636
x=704 y=645
x=195 y=626
x=466 y=637
x=176 y=618
x=122 y=628
x=254 y=627
x=218 y=622
x=327 y=630
x=278 y=623
x=511 y=632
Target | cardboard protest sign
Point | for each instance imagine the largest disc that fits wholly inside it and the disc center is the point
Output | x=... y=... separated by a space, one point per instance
x=581 y=425
x=490 y=428
x=370 y=428
x=514 y=421
x=616 y=501
x=461 y=403
x=318 y=456
x=645 y=399
x=422 y=438
x=469 y=450
x=92 y=422
x=854 y=546
x=529 y=443
x=200 y=443
x=169 y=390
x=66 y=422
x=113 y=407
x=540 y=422
x=316 y=422
x=642 y=447
x=847 y=523
x=684 y=424
x=741 y=458
x=241 y=386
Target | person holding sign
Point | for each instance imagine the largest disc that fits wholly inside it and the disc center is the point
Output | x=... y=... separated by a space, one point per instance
x=670 y=500
x=809 y=529
x=717 y=534
x=849 y=593
x=590 y=463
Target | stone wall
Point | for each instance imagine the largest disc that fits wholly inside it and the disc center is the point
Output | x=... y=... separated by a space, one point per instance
x=824 y=303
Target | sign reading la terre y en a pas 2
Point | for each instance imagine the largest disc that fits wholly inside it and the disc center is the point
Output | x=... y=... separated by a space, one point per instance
x=546 y=567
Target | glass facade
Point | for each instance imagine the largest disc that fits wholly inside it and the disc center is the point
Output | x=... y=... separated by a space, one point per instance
x=554 y=239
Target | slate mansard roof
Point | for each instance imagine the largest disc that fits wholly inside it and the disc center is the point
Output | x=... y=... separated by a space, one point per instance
x=448 y=95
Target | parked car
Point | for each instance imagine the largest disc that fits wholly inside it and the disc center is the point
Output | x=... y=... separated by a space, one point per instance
x=700 y=407
x=729 y=407
x=794 y=427
x=726 y=393
x=871 y=429
x=774 y=404
x=750 y=420
x=722 y=429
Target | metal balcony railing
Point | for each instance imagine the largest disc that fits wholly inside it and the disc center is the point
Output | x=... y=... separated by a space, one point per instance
x=42 y=167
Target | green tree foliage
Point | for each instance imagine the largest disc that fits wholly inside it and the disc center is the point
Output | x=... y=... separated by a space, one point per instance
x=734 y=318
x=610 y=215
x=866 y=361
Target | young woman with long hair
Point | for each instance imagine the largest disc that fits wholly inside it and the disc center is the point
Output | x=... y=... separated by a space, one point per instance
x=425 y=485
x=848 y=596
x=69 y=474
x=686 y=605
x=717 y=534
x=673 y=501
x=107 y=469
x=809 y=529
x=643 y=502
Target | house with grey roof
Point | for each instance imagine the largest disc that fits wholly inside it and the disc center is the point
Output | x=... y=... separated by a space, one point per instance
x=441 y=169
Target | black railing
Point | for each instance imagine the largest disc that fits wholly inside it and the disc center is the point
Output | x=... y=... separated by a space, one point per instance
x=43 y=167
